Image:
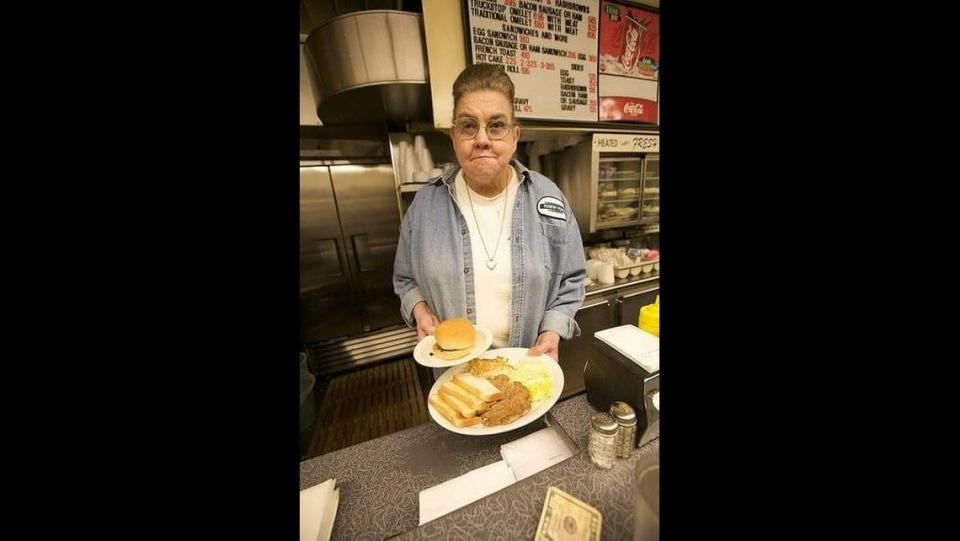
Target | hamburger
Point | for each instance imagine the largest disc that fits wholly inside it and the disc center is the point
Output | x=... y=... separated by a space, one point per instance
x=454 y=338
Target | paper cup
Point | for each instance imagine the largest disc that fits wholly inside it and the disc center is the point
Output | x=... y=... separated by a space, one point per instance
x=605 y=274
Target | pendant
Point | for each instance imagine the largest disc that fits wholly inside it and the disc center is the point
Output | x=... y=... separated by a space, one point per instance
x=491 y=265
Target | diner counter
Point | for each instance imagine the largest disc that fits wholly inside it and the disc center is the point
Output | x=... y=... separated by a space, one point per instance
x=380 y=481
x=652 y=279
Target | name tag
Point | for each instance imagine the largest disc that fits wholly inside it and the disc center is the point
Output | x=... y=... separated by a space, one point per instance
x=552 y=207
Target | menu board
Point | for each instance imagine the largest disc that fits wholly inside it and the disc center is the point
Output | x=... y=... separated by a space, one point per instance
x=549 y=49
x=629 y=63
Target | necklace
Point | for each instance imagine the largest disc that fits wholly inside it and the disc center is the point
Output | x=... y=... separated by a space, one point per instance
x=491 y=261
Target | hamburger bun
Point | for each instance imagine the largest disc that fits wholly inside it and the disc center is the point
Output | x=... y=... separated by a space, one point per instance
x=454 y=339
x=449 y=355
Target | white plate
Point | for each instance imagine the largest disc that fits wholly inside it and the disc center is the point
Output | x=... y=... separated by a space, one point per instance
x=537 y=409
x=421 y=353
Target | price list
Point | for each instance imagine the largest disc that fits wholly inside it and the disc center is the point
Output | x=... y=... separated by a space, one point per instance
x=549 y=48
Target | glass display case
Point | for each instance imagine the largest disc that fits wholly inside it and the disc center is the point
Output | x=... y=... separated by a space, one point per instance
x=611 y=181
x=650 y=200
x=619 y=186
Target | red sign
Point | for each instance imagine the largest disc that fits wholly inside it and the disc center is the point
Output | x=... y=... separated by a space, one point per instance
x=629 y=41
x=629 y=63
x=631 y=109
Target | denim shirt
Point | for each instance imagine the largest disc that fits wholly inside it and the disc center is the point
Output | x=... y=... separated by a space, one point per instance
x=434 y=258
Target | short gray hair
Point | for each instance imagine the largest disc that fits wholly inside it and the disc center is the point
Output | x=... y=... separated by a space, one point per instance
x=483 y=77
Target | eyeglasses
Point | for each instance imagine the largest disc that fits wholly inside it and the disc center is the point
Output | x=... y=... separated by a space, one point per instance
x=468 y=128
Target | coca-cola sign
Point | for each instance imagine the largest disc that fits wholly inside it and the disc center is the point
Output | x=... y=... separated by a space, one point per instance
x=629 y=62
x=629 y=41
x=633 y=108
x=628 y=108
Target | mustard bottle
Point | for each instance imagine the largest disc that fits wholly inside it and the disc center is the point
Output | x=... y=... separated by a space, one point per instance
x=650 y=318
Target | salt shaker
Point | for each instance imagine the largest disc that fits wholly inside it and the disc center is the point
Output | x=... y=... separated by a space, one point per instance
x=627 y=428
x=603 y=440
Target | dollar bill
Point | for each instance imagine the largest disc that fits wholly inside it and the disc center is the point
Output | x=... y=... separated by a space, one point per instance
x=565 y=518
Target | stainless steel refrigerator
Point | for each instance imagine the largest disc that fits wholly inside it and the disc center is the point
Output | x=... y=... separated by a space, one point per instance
x=349 y=227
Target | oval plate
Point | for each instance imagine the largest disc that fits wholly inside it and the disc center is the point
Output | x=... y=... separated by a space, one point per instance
x=537 y=409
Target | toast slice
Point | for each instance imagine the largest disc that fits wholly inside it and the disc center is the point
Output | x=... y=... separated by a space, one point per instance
x=465 y=396
x=462 y=407
x=478 y=387
x=451 y=414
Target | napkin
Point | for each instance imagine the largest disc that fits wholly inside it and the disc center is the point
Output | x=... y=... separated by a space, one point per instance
x=318 y=510
x=451 y=495
x=641 y=347
x=535 y=452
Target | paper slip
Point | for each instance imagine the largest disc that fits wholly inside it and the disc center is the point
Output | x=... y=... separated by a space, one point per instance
x=535 y=452
x=318 y=510
x=565 y=518
x=451 y=495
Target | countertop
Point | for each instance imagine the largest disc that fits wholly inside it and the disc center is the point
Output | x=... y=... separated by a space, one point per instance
x=380 y=481
x=621 y=283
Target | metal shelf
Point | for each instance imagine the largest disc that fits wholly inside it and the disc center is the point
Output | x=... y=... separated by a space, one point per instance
x=631 y=200
x=637 y=179
x=605 y=224
x=615 y=159
x=411 y=187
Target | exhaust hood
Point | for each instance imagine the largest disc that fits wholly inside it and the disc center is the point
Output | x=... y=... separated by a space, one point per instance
x=371 y=67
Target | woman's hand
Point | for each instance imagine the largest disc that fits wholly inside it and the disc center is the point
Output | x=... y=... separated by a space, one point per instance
x=426 y=321
x=548 y=342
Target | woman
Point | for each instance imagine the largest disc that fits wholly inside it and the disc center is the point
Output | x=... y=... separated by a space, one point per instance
x=491 y=240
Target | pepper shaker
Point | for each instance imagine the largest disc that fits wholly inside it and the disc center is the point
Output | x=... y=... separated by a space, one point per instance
x=627 y=428
x=603 y=440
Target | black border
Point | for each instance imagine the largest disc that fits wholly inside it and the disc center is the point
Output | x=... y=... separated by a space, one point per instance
x=177 y=332
x=783 y=377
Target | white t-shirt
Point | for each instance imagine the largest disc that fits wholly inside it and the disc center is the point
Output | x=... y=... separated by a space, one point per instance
x=493 y=288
